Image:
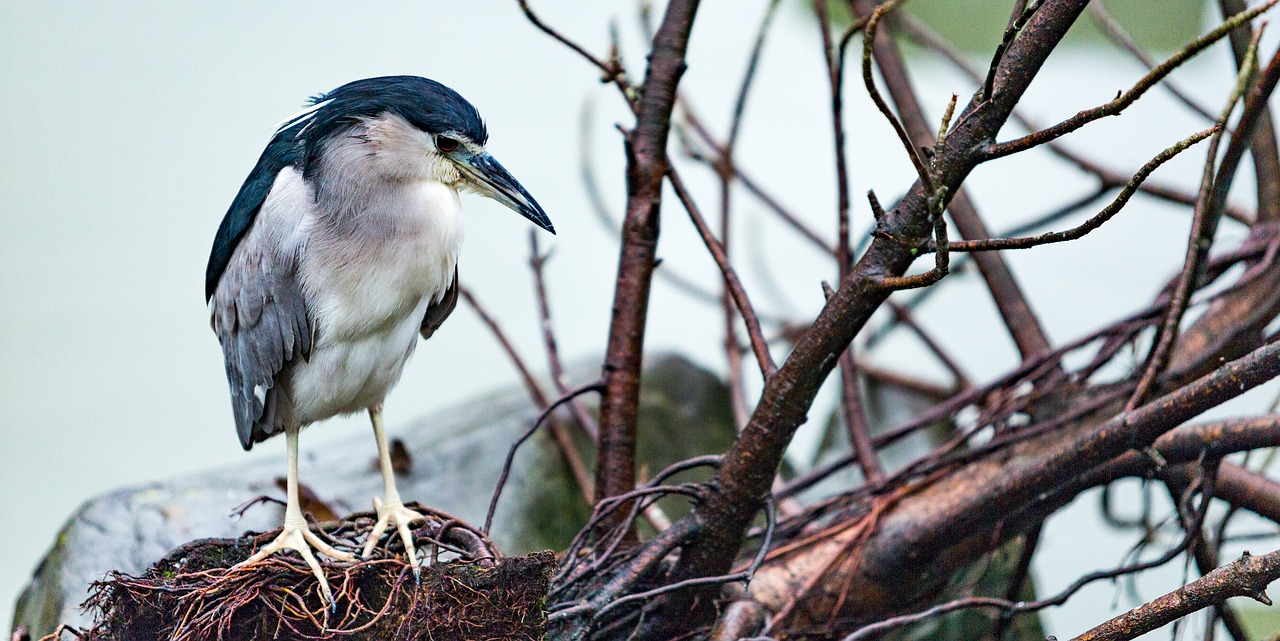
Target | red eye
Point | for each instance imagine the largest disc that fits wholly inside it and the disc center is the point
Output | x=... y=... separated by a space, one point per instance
x=446 y=144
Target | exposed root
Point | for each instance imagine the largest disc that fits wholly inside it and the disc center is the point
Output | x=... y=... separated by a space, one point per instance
x=467 y=590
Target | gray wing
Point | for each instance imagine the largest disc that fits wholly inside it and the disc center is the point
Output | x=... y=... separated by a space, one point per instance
x=440 y=310
x=260 y=315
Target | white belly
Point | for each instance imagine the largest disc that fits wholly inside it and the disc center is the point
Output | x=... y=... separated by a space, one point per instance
x=369 y=294
x=352 y=375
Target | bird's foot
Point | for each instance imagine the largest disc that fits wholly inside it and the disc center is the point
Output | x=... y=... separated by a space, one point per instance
x=402 y=516
x=298 y=537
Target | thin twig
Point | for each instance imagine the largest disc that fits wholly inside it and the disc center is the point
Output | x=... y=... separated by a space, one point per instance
x=1111 y=28
x=835 y=82
x=921 y=34
x=868 y=40
x=724 y=170
x=1248 y=576
x=892 y=623
x=511 y=454
x=1094 y=222
x=564 y=442
x=734 y=285
x=583 y=418
x=610 y=70
x=1213 y=193
x=1121 y=102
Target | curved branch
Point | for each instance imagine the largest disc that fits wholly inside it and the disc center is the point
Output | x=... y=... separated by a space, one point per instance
x=1096 y=221
x=1113 y=108
x=1248 y=576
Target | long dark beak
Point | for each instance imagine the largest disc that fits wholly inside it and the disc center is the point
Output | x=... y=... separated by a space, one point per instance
x=491 y=179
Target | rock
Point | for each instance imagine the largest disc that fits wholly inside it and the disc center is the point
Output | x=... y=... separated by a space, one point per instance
x=456 y=456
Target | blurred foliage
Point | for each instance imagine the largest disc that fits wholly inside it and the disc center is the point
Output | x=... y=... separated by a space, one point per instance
x=1261 y=623
x=976 y=26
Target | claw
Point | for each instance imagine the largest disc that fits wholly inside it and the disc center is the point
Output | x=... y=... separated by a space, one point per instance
x=402 y=516
x=299 y=538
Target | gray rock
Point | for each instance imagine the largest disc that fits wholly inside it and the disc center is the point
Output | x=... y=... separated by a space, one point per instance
x=457 y=455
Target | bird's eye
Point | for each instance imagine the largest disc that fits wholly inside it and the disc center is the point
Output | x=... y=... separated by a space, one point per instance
x=445 y=143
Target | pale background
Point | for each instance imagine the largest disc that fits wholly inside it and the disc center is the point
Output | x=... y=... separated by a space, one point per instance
x=127 y=129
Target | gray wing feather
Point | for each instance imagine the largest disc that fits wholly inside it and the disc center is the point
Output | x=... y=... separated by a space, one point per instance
x=260 y=315
x=440 y=310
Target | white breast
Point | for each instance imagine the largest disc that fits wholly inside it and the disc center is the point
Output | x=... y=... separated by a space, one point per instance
x=369 y=277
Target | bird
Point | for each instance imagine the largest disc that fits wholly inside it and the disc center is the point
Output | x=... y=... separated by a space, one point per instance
x=340 y=250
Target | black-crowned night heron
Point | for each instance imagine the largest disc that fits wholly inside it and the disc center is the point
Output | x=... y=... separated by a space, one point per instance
x=340 y=249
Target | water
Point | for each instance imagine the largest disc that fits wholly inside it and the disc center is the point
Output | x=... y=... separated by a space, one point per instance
x=128 y=131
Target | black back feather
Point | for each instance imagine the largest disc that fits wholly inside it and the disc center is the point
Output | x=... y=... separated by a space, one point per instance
x=281 y=152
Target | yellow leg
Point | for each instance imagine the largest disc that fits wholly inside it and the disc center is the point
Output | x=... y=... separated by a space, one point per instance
x=296 y=535
x=390 y=508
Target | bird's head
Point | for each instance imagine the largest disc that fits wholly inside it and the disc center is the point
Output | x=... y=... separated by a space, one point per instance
x=408 y=128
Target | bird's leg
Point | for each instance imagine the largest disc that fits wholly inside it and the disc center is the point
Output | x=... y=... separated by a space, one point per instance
x=390 y=508
x=296 y=535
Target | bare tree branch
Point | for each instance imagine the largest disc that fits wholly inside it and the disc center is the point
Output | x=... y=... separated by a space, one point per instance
x=1204 y=226
x=1127 y=98
x=750 y=465
x=1248 y=576
x=647 y=165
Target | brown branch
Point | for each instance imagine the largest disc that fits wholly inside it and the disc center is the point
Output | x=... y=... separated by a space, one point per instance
x=1207 y=560
x=564 y=442
x=1022 y=12
x=1014 y=307
x=921 y=34
x=582 y=417
x=1009 y=606
x=734 y=285
x=855 y=417
x=748 y=471
x=950 y=519
x=1189 y=443
x=1039 y=476
x=1249 y=576
x=1250 y=490
x=1204 y=226
x=1094 y=222
x=647 y=164
x=1121 y=102
x=1113 y=30
x=1265 y=149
